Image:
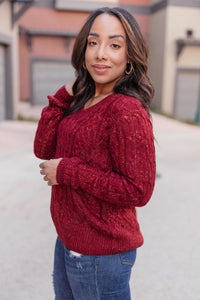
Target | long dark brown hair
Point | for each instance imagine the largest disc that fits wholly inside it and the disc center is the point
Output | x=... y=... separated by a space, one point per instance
x=135 y=84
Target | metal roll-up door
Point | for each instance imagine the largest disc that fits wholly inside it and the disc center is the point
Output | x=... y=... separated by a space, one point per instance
x=48 y=77
x=187 y=94
x=2 y=83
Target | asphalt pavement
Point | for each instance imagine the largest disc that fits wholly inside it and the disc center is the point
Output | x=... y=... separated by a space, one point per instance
x=167 y=265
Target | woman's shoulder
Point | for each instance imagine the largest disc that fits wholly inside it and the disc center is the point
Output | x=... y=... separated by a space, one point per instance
x=123 y=104
x=127 y=111
x=62 y=93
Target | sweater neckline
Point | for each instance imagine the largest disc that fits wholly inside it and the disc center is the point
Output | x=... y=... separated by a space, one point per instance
x=95 y=105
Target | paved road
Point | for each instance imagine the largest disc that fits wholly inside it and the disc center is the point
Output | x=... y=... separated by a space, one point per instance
x=168 y=264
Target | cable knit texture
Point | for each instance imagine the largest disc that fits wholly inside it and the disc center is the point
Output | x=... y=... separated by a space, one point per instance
x=108 y=168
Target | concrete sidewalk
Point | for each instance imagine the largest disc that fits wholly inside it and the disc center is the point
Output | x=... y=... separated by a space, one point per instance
x=168 y=264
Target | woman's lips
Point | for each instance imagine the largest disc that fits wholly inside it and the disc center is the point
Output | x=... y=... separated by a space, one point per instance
x=100 y=69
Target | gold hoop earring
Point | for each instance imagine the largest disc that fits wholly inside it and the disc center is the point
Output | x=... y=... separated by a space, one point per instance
x=129 y=70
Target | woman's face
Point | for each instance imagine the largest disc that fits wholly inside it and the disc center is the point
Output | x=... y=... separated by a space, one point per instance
x=106 y=52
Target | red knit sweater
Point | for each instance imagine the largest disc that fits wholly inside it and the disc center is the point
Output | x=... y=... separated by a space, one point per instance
x=108 y=168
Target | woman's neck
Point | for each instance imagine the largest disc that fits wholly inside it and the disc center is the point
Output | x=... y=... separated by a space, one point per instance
x=96 y=98
x=103 y=89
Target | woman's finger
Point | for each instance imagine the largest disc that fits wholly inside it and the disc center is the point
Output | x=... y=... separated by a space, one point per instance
x=46 y=178
x=42 y=171
x=49 y=183
x=42 y=165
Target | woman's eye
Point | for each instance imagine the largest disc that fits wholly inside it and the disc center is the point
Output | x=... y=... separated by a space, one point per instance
x=92 y=43
x=115 y=46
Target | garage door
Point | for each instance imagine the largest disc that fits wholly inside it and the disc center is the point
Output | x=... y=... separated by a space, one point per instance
x=187 y=95
x=2 y=83
x=47 y=78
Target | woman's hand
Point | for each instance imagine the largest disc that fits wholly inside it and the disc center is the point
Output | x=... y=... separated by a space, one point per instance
x=49 y=170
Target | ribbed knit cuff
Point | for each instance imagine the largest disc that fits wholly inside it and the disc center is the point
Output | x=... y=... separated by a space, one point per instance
x=61 y=99
x=55 y=102
x=61 y=175
x=68 y=171
x=63 y=94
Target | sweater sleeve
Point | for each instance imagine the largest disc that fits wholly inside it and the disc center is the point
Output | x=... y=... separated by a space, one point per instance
x=45 y=138
x=132 y=178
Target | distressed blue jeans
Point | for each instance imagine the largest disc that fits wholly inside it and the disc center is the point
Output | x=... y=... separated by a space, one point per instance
x=85 y=277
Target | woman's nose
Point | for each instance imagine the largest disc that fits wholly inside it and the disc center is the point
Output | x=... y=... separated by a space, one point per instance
x=101 y=52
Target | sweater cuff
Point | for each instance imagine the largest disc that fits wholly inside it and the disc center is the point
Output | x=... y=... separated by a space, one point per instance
x=67 y=172
x=63 y=94
x=61 y=99
x=61 y=170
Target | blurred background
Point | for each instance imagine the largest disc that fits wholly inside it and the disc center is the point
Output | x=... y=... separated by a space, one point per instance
x=36 y=41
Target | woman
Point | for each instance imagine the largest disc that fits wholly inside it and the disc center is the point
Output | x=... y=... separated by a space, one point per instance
x=96 y=137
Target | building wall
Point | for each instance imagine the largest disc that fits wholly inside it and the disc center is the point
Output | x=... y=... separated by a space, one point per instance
x=9 y=39
x=168 y=70
x=5 y=18
x=157 y=54
x=189 y=58
x=154 y=1
x=135 y=2
x=51 y=47
x=54 y=19
x=178 y=21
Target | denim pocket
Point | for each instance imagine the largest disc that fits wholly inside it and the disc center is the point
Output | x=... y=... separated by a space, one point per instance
x=128 y=257
x=74 y=254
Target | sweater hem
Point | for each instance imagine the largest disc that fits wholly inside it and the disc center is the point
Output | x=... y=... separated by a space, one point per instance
x=93 y=244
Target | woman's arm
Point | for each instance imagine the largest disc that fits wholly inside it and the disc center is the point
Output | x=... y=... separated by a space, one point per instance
x=46 y=134
x=133 y=156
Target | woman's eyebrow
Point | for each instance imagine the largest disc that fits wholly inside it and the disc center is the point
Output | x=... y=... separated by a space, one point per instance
x=116 y=36
x=110 y=36
x=93 y=34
